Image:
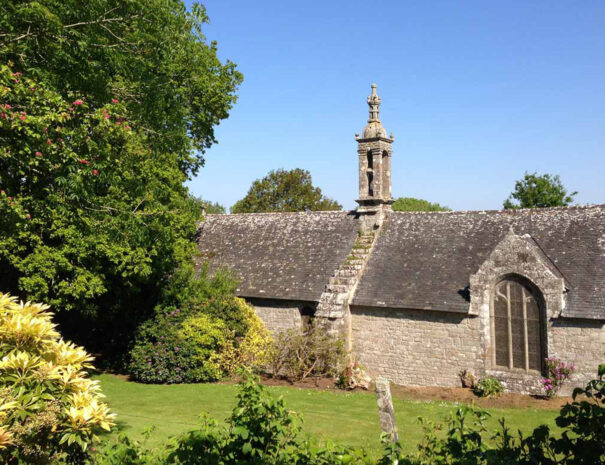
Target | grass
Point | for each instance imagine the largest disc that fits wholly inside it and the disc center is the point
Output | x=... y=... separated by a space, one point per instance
x=349 y=418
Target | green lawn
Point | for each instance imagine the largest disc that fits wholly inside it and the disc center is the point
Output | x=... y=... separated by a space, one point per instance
x=345 y=417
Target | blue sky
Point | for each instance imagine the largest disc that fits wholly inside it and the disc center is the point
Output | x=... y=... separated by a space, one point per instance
x=476 y=93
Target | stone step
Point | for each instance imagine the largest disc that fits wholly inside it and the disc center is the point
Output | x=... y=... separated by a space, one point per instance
x=350 y=267
x=349 y=281
x=342 y=273
x=358 y=256
x=337 y=288
x=333 y=299
x=353 y=261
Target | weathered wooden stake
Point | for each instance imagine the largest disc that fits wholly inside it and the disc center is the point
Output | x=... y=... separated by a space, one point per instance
x=386 y=412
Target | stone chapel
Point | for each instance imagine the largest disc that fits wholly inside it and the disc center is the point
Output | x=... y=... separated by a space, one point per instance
x=420 y=296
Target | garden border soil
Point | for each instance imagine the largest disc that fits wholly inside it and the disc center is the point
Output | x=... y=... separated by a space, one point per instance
x=435 y=394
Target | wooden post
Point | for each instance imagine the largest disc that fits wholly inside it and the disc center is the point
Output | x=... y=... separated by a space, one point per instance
x=386 y=412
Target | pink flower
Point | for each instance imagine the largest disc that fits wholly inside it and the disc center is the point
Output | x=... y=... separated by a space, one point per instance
x=38 y=154
x=28 y=216
x=95 y=172
x=18 y=74
x=7 y=106
x=127 y=127
x=77 y=102
x=49 y=142
x=113 y=100
x=84 y=162
x=2 y=115
x=119 y=123
x=22 y=117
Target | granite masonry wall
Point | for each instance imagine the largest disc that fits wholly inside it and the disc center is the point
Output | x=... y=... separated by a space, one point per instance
x=425 y=348
x=279 y=315
x=416 y=347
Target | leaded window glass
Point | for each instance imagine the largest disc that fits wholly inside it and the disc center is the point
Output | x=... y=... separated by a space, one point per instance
x=517 y=326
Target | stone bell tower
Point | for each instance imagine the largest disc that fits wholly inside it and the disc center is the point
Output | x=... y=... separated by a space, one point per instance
x=375 y=151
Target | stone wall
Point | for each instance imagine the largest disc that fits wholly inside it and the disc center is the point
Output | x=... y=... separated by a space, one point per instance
x=279 y=315
x=425 y=348
x=416 y=347
x=581 y=342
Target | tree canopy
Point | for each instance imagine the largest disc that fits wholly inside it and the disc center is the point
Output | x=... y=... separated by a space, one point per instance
x=106 y=112
x=284 y=191
x=538 y=191
x=149 y=54
x=410 y=204
x=90 y=218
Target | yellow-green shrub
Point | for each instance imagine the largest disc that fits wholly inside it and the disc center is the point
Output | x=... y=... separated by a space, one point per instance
x=254 y=349
x=200 y=342
x=49 y=409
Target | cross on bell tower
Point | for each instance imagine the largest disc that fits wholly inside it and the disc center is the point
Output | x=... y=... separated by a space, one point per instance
x=374 y=148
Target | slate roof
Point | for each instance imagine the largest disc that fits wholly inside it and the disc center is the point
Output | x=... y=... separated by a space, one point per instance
x=279 y=255
x=423 y=260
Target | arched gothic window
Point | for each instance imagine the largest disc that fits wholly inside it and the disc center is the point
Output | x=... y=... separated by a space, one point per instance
x=517 y=325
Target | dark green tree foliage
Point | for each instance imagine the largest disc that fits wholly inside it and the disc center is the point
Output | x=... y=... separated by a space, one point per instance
x=284 y=191
x=410 y=204
x=149 y=54
x=121 y=107
x=539 y=191
x=90 y=218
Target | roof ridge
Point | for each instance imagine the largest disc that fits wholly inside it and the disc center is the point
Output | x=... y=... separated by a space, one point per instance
x=283 y=213
x=511 y=211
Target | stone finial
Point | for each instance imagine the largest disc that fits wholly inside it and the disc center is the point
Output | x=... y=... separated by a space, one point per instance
x=374 y=104
x=374 y=127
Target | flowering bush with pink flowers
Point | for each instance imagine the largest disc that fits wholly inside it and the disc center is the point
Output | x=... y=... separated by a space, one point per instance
x=557 y=373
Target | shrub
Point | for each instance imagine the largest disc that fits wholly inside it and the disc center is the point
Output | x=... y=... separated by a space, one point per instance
x=192 y=344
x=488 y=387
x=297 y=356
x=49 y=409
x=558 y=373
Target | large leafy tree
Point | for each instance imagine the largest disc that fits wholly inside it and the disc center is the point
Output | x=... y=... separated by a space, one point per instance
x=90 y=218
x=113 y=112
x=410 y=204
x=538 y=191
x=284 y=191
x=149 y=54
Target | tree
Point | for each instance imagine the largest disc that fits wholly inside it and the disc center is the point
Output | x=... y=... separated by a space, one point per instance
x=410 y=204
x=113 y=112
x=91 y=220
x=284 y=191
x=539 y=191
x=149 y=54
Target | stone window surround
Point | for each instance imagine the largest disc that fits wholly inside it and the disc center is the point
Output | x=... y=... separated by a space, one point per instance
x=517 y=256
